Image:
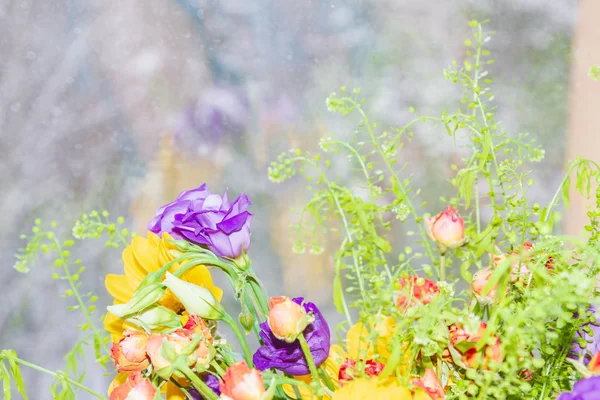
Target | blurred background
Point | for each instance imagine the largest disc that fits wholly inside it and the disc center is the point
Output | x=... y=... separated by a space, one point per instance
x=120 y=105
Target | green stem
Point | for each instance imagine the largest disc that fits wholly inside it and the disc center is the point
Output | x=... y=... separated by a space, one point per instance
x=218 y=368
x=389 y=166
x=59 y=376
x=338 y=261
x=198 y=384
x=326 y=379
x=257 y=294
x=311 y=363
x=442 y=267
x=97 y=335
x=282 y=380
x=240 y=337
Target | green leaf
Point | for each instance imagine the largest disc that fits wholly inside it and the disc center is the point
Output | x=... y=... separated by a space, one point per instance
x=383 y=244
x=457 y=358
x=5 y=376
x=464 y=345
x=16 y=373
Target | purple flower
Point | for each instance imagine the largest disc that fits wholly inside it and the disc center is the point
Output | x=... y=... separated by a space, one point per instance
x=288 y=357
x=211 y=381
x=585 y=389
x=208 y=220
x=587 y=339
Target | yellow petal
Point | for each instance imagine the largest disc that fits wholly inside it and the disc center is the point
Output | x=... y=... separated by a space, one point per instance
x=337 y=356
x=173 y=392
x=153 y=239
x=375 y=388
x=145 y=254
x=164 y=248
x=358 y=343
x=200 y=275
x=133 y=270
x=119 y=287
x=114 y=326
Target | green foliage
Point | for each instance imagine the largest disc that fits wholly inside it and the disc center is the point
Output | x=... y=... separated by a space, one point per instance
x=95 y=224
x=92 y=225
x=533 y=313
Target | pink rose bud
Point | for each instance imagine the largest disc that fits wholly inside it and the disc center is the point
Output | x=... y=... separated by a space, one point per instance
x=287 y=319
x=415 y=290
x=191 y=343
x=242 y=383
x=480 y=280
x=135 y=387
x=447 y=229
x=430 y=384
x=129 y=354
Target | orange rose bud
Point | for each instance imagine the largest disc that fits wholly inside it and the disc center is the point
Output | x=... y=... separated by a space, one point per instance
x=135 y=387
x=480 y=279
x=287 y=319
x=192 y=343
x=416 y=290
x=594 y=365
x=242 y=383
x=129 y=354
x=447 y=229
x=348 y=370
x=465 y=342
x=430 y=384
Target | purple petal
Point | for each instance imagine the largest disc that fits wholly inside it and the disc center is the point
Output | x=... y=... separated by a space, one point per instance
x=213 y=203
x=234 y=224
x=288 y=357
x=208 y=220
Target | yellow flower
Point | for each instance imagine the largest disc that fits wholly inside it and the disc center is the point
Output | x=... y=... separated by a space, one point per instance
x=360 y=347
x=375 y=388
x=142 y=256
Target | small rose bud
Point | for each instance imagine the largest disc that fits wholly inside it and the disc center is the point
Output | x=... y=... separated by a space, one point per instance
x=135 y=387
x=142 y=299
x=242 y=383
x=480 y=280
x=205 y=351
x=415 y=290
x=164 y=350
x=465 y=339
x=196 y=299
x=348 y=370
x=191 y=345
x=129 y=354
x=447 y=229
x=430 y=384
x=287 y=319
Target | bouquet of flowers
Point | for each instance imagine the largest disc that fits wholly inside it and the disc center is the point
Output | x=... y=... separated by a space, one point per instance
x=495 y=307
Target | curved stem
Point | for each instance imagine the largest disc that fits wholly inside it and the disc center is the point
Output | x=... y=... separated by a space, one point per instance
x=240 y=337
x=400 y=186
x=59 y=376
x=198 y=384
x=97 y=335
x=311 y=363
